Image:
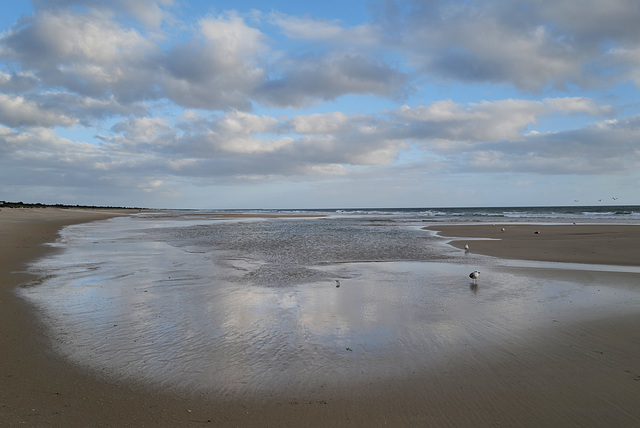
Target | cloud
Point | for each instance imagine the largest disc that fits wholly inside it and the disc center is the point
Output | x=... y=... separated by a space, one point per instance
x=305 y=28
x=334 y=60
x=225 y=99
x=605 y=148
x=628 y=61
x=242 y=123
x=150 y=12
x=592 y=21
x=319 y=123
x=91 y=54
x=16 y=111
x=488 y=137
x=310 y=78
x=220 y=64
x=577 y=105
x=143 y=130
x=17 y=82
x=533 y=46
x=486 y=42
x=50 y=109
x=87 y=53
x=486 y=121
x=219 y=68
x=42 y=153
x=85 y=47
x=239 y=144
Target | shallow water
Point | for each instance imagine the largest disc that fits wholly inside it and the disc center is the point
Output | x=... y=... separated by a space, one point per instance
x=247 y=307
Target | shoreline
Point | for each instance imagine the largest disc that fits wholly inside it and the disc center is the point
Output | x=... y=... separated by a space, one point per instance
x=599 y=244
x=39 y=387
x=580 y=373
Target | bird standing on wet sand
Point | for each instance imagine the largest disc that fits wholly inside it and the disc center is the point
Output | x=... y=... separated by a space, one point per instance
x=337 y=283
x=466 y=247
x=474 y=275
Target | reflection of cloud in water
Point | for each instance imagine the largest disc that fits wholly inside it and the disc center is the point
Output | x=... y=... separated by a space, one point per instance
x=152 y=311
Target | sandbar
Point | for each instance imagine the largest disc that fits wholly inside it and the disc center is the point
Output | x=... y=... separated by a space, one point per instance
x=584 y=373
x=605 y=244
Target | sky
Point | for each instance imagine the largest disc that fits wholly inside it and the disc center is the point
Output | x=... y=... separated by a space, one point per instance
x=288 y=104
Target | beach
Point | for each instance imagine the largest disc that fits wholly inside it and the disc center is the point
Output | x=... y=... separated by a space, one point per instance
x=567 y=368
x=607 y=244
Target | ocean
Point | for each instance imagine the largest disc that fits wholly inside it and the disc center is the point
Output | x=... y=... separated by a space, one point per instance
x=609 y=213
x=192 y=300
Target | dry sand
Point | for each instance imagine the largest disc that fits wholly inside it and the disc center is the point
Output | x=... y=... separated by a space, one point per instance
x=609 y=244
x=585 y=373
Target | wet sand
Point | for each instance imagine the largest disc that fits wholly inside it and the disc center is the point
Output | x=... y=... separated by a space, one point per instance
x=608 y=244
x=575 y=372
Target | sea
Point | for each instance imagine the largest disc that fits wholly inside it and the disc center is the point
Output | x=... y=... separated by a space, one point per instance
x=608 y=213
x=292 y=302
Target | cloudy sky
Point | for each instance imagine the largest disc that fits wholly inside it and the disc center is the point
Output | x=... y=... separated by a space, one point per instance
x=291 y=104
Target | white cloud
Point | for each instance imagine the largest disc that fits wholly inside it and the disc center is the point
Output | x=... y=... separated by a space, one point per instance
x=308 y=79
x=217 y=70
x=299 y=28
x=231 y=41
x=608 y=147
x=69 y=37
x=143 y=130
x=241 y=144
x=531 y=45
x=87 y=53
x=330 y=169
x=487 y=121
x=245 y=145
x=40 y=148
x=149 y=12
x=16 y=111
x=242 y=123
x=577 y=105
x=319 y=123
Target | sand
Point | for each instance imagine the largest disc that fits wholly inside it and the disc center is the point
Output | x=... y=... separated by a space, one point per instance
x=574 y=373
x=609 y=244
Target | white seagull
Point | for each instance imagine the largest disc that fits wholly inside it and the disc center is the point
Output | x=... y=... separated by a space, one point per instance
x=474 y=275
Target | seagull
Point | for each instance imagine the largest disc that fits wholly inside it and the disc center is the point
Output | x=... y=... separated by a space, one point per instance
x=337 y=283
x=466 y=247
x=502 y=230
x=474 y=275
